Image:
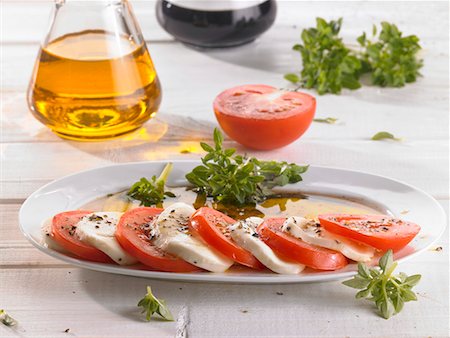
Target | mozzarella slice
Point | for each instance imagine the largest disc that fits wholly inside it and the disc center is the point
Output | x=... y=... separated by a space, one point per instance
x=98 y=229
x=244 y=234
x=312 y=233
x=173 y=236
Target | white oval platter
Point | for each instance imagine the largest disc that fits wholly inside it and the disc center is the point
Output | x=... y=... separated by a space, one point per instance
x=385 y=194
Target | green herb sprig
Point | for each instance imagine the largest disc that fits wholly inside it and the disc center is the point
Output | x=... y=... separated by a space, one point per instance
x=151 y=305
x=329 y=65
x=237 y=179
x=151 y=192
x=388 y=292
x=6 y=319
x=392 y=60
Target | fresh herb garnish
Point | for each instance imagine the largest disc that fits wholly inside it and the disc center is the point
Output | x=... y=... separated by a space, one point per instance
x=388 y=292
x=392 y=60
x=6 y=319
x=329 y=120
x=384 y=135
x=151 y=192
x=329 y=65
x=151 y=305
x=237 y=179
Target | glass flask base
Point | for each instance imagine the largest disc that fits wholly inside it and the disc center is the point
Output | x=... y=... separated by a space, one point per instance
x=95 y=136
x=218 y=45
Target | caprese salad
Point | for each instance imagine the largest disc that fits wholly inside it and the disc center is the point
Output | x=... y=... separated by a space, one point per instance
x=180 y=238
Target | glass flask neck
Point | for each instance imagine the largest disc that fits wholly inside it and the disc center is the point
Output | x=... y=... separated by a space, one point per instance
x=110 y=16
x=87 y=3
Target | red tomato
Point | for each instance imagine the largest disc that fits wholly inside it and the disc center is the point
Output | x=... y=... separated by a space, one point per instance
x=264 y=117
x=212 y=227
x=63 y=231
x=297 y=250
x=134 y=236
x=379 y=231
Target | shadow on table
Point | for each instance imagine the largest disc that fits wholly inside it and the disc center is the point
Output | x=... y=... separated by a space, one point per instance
x=120 y=295
x=274 y=55
x=165 y=136
x=260 y=55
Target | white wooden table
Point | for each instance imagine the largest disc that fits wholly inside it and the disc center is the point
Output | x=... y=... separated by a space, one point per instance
x=47 y=296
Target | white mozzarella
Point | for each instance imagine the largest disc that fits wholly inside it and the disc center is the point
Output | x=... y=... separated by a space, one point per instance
x=98 y=229
x=173 y=236
x=312 y=233
x=245 y=235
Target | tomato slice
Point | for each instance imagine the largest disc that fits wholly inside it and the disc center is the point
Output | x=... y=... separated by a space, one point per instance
x=297 y=250
x=63 y=232
x=212 y=226
x=264 y=117
x=379 y=231
x=134 y=236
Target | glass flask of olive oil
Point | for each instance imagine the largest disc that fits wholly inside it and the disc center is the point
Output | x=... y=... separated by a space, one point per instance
x=94 y=78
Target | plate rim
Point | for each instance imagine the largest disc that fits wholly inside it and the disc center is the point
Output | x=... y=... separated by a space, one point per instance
x=208 y=277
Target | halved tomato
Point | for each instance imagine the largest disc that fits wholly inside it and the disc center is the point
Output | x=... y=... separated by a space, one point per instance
x=63 y=232
x=297 y=250
x=135 y=236
x=379 y=231
x=264 y=117
x=212 y=226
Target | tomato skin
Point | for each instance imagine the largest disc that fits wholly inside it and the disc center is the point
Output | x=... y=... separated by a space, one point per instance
x=379 y=231
x=297 y=250
x=258 y=131
x=134 y=240
x=63 y=226
x=211 y=225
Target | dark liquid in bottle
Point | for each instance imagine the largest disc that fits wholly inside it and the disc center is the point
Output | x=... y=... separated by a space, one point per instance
x=212 y=24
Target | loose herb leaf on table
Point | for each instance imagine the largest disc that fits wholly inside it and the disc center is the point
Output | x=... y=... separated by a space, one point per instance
x=328 y=120
x=151 y=192
x=384 y=135
x=151 y=305
x=388 y=292
x=6 y=319
x=237 y=179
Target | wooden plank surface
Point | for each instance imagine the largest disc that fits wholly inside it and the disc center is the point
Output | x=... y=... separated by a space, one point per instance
x=293 y=15
x=94 y=304
x=216 y=310
x=47 y=299
x=189 y=87
x=48 y=296
x=399 y=161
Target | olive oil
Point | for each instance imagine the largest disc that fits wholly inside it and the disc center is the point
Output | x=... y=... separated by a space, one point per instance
x=94 y=85
x=284 y=205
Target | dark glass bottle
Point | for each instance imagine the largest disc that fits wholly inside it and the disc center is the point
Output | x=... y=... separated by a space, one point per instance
x=216 y=23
